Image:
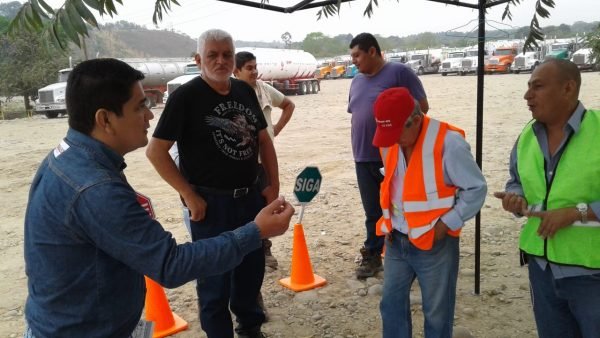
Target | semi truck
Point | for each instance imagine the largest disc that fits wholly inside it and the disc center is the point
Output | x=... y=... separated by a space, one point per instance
x=469 y=63
x=526 y=62
x=561 y=50
x=157 y=72
x=291 y=71
x=453 y=63
x=191 y=71
x=584 y=61
x=422 y=63
x=502 y=60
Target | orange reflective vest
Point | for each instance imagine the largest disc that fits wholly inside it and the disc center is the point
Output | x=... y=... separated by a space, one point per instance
x=425 y=196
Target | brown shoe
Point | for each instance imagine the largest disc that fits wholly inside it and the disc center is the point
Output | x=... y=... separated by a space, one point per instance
x=369 y=265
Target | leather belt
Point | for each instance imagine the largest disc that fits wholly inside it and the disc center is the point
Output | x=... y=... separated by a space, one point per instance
x=235 y=193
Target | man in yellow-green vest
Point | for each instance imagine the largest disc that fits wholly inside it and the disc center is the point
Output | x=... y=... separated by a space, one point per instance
x=555 y=182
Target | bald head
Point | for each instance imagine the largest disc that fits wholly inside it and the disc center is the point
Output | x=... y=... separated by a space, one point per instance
x=565 y=71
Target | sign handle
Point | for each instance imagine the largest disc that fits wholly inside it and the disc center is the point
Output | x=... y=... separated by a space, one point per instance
x=301 y=212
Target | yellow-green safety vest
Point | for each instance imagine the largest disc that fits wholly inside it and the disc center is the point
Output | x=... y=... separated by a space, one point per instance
x=576 y=180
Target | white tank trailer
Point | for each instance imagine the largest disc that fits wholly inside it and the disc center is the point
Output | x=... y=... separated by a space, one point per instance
x=291 y=71
x=157 y=72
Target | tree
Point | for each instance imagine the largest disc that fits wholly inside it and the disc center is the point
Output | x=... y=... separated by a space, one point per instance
x=75 y=17
x=26 y=66
x=10 y=9
x=593 y=41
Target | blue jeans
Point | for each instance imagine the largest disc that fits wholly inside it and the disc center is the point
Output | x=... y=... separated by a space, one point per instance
x=437 y=272
x=369 y=180
x=566 y=307
x=237 y=289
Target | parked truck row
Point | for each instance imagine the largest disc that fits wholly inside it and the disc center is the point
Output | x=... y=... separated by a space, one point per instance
x=290 y=71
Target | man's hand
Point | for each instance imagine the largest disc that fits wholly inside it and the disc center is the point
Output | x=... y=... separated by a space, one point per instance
x=274 y=219
x=197 y=206
x=554 y=220
x=440 y=229
x=512 y=202
x=270 y=193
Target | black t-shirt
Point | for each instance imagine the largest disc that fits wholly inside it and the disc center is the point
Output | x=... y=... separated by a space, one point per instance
x=217 y=135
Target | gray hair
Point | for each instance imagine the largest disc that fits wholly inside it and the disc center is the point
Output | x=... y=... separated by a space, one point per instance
x=213 y=35
x=416 y=112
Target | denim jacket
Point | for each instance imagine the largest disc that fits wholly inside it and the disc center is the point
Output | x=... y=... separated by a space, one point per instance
x=88 y=244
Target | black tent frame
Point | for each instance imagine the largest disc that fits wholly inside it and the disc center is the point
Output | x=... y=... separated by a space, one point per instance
x=481 y=6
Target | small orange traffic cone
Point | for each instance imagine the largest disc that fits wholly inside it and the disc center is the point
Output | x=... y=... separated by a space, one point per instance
x=302 y=277
x=158 y=311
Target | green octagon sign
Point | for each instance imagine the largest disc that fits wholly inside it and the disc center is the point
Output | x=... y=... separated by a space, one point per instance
x=308 y=184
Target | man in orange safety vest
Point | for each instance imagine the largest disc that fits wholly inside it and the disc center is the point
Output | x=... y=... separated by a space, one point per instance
x=431 y=186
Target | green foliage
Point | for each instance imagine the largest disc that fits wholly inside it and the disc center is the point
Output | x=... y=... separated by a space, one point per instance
x=74 y=18
x=26 y=66
x=9 y=9
x=593 y=42
x=321 y=45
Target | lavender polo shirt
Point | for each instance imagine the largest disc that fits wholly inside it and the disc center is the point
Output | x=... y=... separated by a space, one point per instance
x=363 y=92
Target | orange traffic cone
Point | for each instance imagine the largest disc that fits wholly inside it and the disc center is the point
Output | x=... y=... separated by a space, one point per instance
x=158 y=311
x=302 y=277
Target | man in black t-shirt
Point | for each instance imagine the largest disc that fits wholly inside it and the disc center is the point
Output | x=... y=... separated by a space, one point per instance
x=219 y=129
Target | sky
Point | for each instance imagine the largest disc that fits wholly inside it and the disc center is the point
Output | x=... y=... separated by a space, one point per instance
x=392 y=17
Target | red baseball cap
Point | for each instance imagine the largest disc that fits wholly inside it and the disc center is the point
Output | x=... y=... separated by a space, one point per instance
x=392 y=108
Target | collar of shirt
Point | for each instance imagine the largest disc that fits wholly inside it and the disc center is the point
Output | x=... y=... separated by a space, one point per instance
x=98 y=149
x=573 y=124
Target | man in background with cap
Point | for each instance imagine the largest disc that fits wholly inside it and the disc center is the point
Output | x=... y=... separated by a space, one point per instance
x=375 y=76
x=431 y=187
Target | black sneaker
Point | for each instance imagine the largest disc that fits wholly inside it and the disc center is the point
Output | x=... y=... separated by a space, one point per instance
x=369 y=265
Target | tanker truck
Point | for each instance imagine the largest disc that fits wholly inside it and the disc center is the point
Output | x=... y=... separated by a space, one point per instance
x=157 y=72
x=290 y=71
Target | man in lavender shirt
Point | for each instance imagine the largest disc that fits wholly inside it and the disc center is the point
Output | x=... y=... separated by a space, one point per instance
x=376 y=75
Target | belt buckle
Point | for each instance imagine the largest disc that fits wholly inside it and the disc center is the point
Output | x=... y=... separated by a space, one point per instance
x=240 y=192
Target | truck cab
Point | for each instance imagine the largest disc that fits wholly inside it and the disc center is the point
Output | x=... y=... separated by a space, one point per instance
x=453 y=63
x=51 y=99
x=190 y=71
x=560 y=50
x=424 y=63
x=338 y=70
x=470 y=61
x=324 y=70
x=583 y=59
x=501 y=61
x=526 y=62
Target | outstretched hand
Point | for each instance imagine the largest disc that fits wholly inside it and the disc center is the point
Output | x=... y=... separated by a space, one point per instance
x=512 y=202
x=274 y=219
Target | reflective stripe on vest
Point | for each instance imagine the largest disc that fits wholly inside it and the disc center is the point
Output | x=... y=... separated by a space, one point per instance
x=576 y=179
x=425 y=196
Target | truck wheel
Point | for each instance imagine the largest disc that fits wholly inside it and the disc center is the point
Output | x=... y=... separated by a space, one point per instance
x=316 y=87
x=51 y=114
x=309 y=87
x=420 y=71
x=508 y=68
x=443 y=74
x=302 y=88
x=516 y=71
x=327 y=76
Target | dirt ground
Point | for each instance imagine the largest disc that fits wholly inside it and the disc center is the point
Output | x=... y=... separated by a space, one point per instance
x=319 y=135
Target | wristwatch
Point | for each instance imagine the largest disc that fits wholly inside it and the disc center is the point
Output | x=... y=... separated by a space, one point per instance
x=583 y=210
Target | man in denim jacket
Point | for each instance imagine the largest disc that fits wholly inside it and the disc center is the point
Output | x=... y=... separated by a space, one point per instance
x=88 y=242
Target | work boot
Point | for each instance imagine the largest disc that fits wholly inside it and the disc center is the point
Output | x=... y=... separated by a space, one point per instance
x=369 y=265
x=270 y=261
